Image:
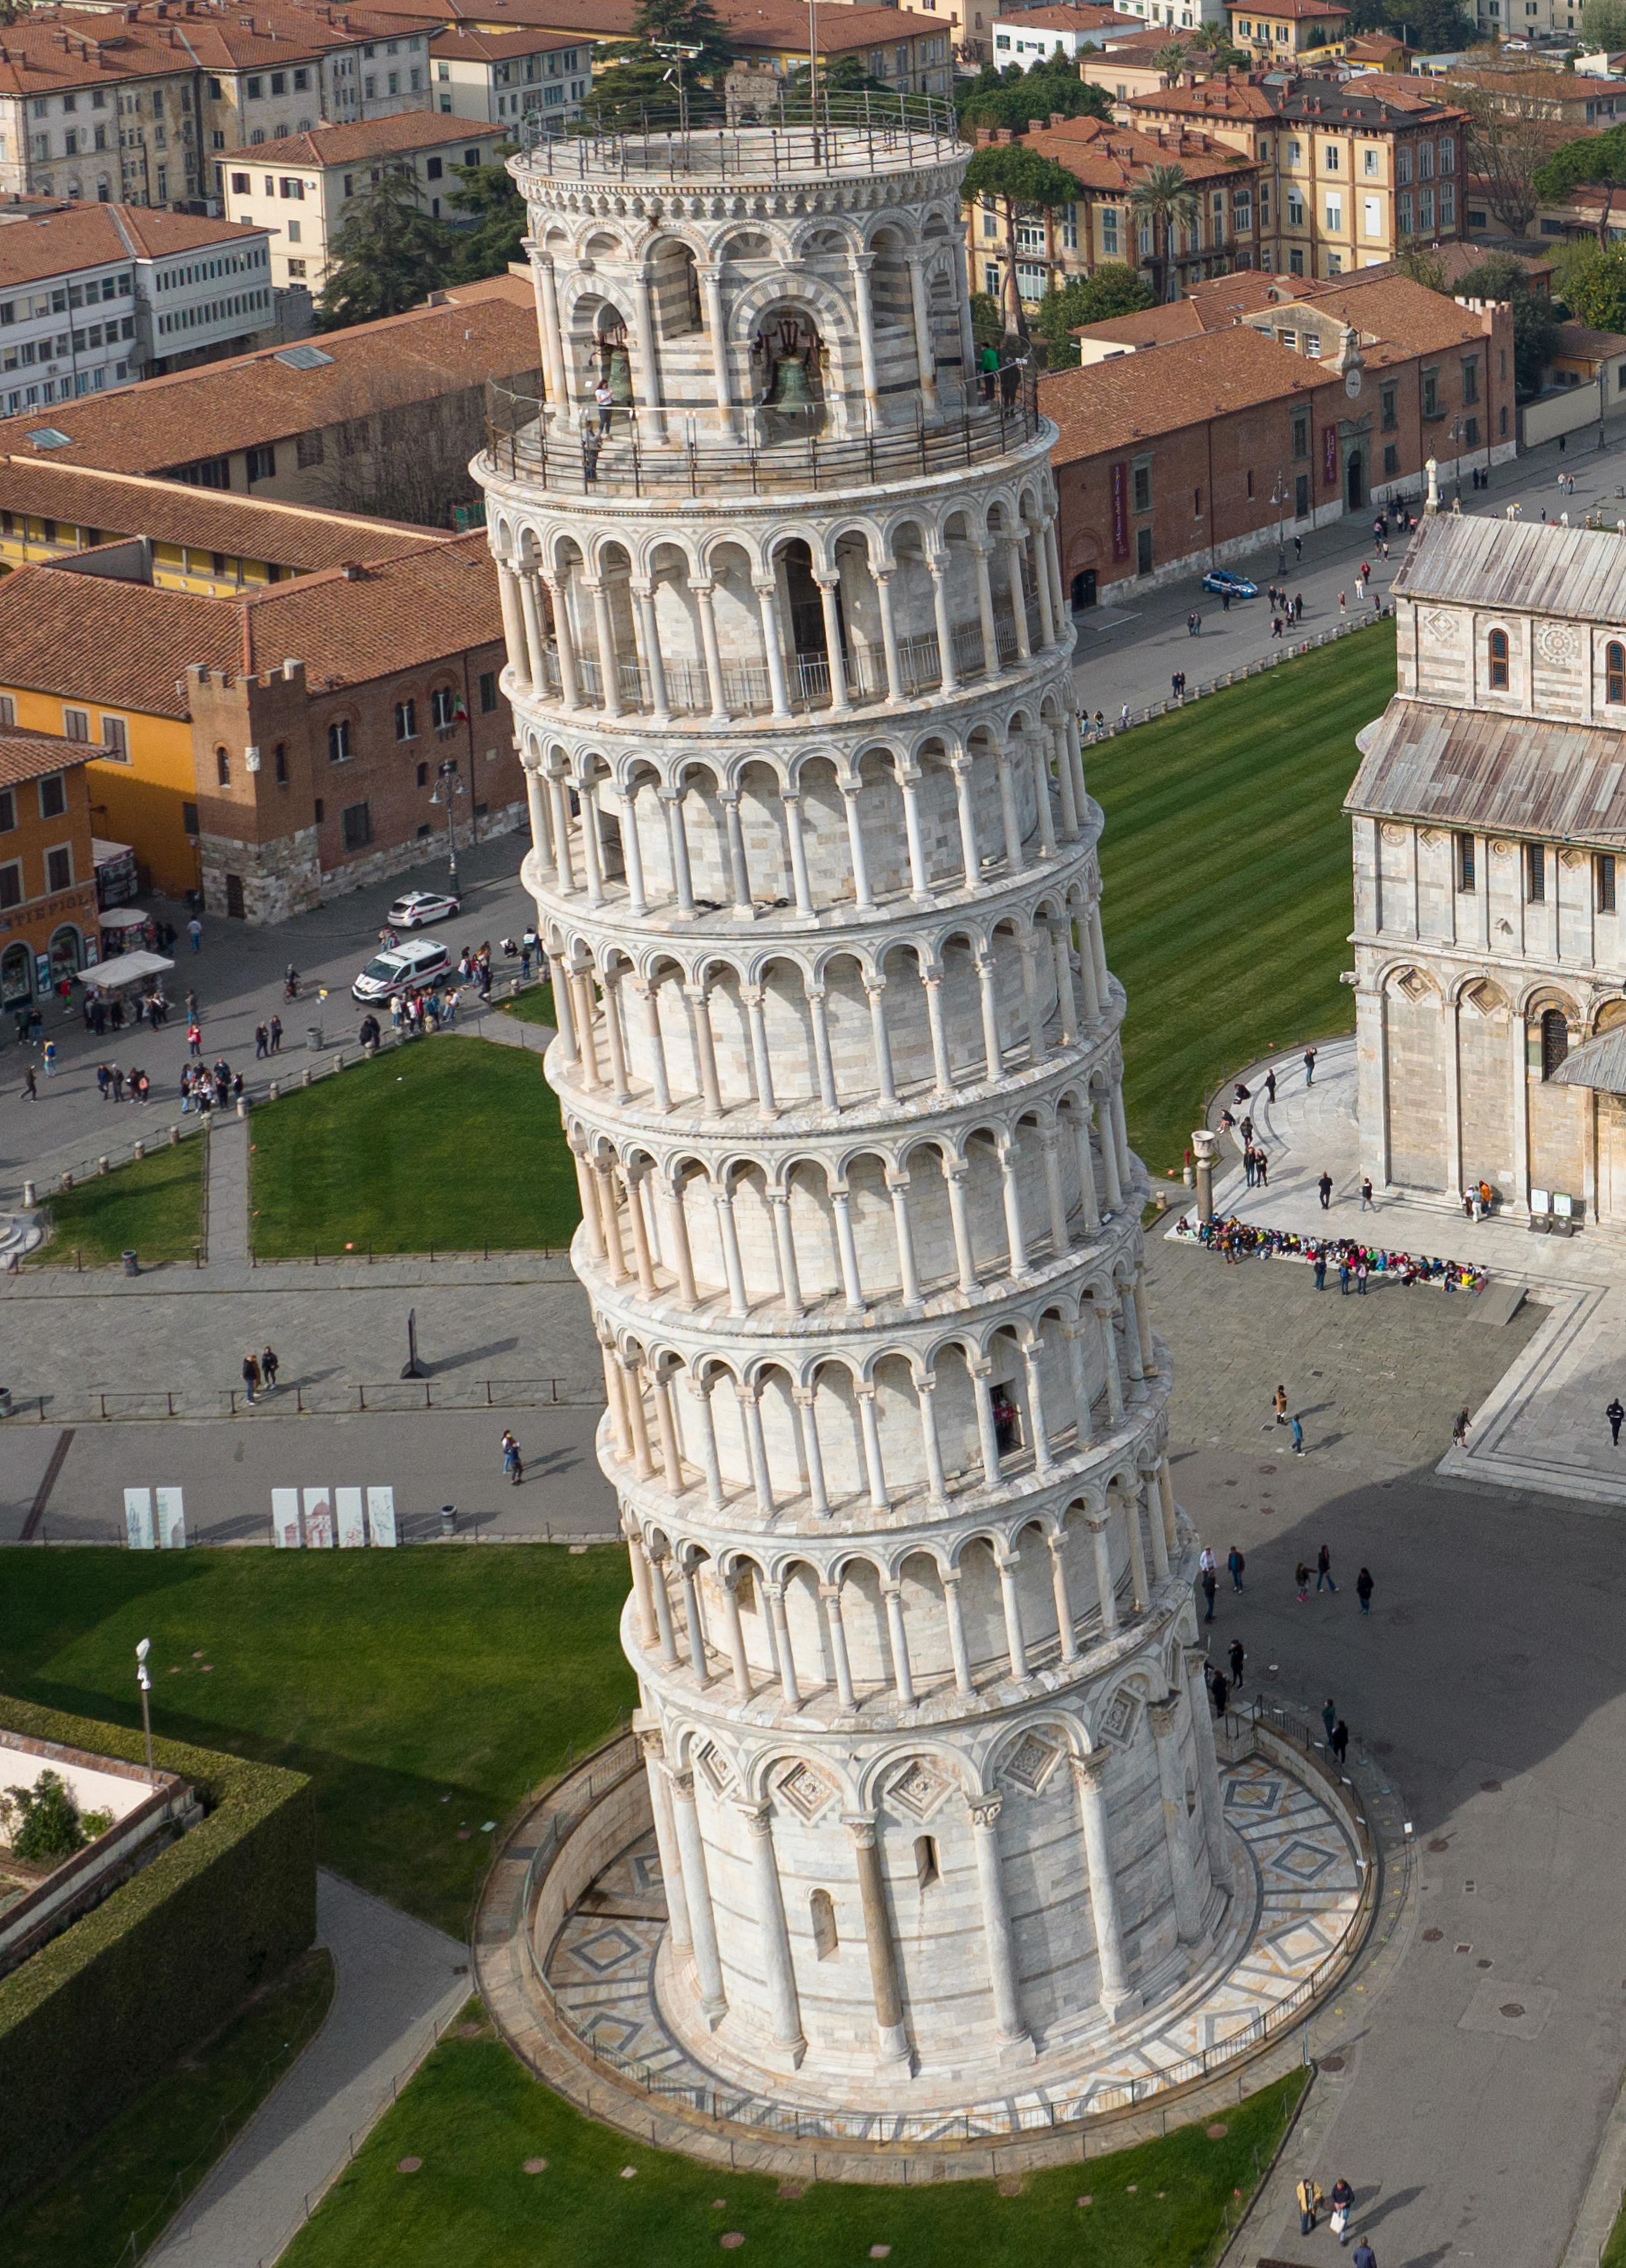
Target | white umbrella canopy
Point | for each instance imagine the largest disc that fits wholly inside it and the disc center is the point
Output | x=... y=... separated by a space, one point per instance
x=124 y=968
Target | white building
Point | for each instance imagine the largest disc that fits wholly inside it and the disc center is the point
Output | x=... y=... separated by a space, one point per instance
x=504 y=77
x=1034 y=34
x=93 y=297
x=298 y=190
x=1489 y=825
x=931 y=1766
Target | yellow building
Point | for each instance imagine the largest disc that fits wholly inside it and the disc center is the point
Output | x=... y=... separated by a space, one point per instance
x=1283 y=30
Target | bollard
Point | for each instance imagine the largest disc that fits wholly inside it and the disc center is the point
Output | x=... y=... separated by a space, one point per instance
x=140 y=1150
x=174 y=1137
x=243 y=1106
x=66 y=1182
x=338 y=1060
x=305 y=1075
x=274 y=1090
x=29 y=1198
x=104 y=1166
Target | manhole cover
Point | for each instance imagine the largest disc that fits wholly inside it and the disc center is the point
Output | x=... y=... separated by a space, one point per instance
x=1432 y=1936
x=1267 y=1468
x=1465 y=1948
x=1491 y=1788
x=1512 y=2007
x=1440 y=1844
x=1482 y=1963
x=1332 y=2063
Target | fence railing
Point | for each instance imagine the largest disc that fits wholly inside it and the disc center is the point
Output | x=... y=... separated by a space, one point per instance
x=694 y=136
x=993 y=2121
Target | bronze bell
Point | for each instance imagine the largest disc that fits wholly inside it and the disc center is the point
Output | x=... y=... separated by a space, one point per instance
x=620 y=376
x=790 y=385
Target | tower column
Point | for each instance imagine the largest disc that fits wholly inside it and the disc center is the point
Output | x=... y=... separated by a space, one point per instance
x=772 y=1935
x=1117 y=1997
x=1016 y=2042
x=1165 y=1716
x=697 y=1890
x=892 y=2039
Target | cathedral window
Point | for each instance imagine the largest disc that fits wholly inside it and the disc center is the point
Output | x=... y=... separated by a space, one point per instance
x=1554 y=1040
x=1465 y=862
x=1498 y=661
x=822 y=1908
x=1616 y=658
x=1535 y=873
x=1603 y=881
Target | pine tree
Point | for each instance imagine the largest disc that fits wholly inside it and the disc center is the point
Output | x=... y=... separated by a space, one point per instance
x=388 y=255
x=491 y=193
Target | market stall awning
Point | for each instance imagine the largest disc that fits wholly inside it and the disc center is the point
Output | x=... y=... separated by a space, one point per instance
x=125 y=968
x=123 y=918
x=1600 y=1063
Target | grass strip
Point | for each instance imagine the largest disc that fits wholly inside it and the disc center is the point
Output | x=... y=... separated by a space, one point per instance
x=152 y=1207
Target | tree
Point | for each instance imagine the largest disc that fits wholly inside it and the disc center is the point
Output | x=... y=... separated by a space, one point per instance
x=648 y=76
x=686 y=23
x=1423 y=266
x=489 y=192
x=1509 y=137
x=1012 y=174
x=44 y=1820
x=1164 y=197
x=1593 y=278
x=1603 y=24
x=1170 y=61
x=1115 y=289
x=1596 y=161
x=1013 y=97
x=388 y=255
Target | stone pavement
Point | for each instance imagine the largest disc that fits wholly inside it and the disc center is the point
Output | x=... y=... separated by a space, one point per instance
x=229 y=1468
x=1487 y=1682
x=398 y=1984
x=1538 y=1423
x=1128 y=648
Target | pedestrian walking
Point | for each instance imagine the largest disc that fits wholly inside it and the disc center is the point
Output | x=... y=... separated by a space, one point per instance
x=195 y=1039
x=1329 y=1715
x=1297 y=1432
x=261 y=1043
x=1219 y=1692
x=1235 y=1561
x=1363 y=2256
x=1310 y=2199
x=1321 y=1270
x=1367 y=1204
x=1261 y=1170
x=1324 y=1569
x=513 y=1464
x=270 y=1365
x=1210 y=1585
x=1340 y=1740
x=1237 y=1657
x=604 y=401
x=276 y=1029
x=1364 y=1589
x=1615 y=1413
x=1325 y=1185
x=31 y=1092
x=1361 y=1273
x=1344 y=603
x=1279 y=1399
x=1123 y=718
x=1343 y=1279
x=1342 y=2199
x=1309 y=1066
x=1460 y=1430
x=104 y=1081
x=251 y=1375
x=1270 y=1084
x=195 y=930
x=49 y=1058
x=1299 y=549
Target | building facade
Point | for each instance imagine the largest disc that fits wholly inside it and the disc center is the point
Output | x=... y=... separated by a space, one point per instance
x=48 y=927
x=1488 y=820
x=930 y=1764
x=502 y=77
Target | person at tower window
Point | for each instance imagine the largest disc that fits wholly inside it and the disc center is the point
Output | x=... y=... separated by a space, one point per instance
x=1007 y=1429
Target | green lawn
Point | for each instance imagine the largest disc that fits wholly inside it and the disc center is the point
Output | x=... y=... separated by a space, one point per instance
x=534 y=1005
x=138 y=2171
x=1226 y=884
x=475 y=2117
x=452 y=1143
x=423 y=1691
x=154 y=1207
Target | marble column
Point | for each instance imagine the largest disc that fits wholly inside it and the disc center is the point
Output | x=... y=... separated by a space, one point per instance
x=893 y=2037
x=774 y=1936
x=1015 y=2042
x=698 y=1889
x=1118 y=1997
x=1176 y=1827
x=1207 y=1766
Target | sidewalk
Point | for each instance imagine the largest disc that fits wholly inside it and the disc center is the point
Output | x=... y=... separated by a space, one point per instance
x=1542 y=1426
x=399 y=1984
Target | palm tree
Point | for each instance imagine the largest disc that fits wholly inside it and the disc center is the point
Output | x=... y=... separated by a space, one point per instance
x=1165 y=198
x=1170 y=61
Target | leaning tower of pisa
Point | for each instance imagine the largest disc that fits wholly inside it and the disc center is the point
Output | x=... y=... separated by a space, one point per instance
x=930 y=1764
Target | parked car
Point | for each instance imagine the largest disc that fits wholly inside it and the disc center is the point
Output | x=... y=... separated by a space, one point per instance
x=418 y=961
x=420 y=907
x=1222 y=579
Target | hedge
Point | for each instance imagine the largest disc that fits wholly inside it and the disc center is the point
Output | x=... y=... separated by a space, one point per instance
x=96 y=2013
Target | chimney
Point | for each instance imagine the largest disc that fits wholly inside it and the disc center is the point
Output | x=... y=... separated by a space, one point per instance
x=353 y=571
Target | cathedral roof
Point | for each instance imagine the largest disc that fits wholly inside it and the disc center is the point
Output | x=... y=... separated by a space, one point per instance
x=1534 y=568
x=1493 y=774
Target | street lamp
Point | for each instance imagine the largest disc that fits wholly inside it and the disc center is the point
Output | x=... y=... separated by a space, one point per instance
x=143 y=1679
x=1278 y=496
x=1456 y=437
x=449 y=787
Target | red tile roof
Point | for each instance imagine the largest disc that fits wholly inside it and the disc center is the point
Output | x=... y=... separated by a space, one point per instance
x=366 y=137
x=25 y=755
x=1104 y=157
x=52 y=243
x=1110 y=405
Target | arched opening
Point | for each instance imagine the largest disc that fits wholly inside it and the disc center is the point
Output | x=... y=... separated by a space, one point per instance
x=821 y=1912
x=1353 y=476
x=16 y=977
x=1615 y=659
x=788 y=361
x=926 y=1867
x=66 y=952
x=1496 y=647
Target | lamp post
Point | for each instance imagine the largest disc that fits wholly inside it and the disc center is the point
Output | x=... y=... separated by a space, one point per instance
x=1278 y=496
x=1456 y=439
x=449 y=788
x=143 y=1680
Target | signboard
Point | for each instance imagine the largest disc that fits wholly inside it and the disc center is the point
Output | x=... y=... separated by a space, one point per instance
x=170 y=1519
x=1120 y=510
x=1329 y=457
x=381 y=1517
x=138 y=1519
x=353 y=1521
x=318 y=1519
x=285 y=1532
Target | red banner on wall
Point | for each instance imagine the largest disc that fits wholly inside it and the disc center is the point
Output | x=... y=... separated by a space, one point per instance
x=1120 y=511
x=1329 y=457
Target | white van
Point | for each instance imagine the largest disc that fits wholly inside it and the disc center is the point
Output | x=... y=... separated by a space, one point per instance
x=420 y=960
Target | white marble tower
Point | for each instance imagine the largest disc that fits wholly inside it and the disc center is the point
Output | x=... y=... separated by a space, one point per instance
x=930 y=1758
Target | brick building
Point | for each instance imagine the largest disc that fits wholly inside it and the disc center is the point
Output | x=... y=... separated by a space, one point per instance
x=281 y=746
x=1175 y=457
x=47 y=881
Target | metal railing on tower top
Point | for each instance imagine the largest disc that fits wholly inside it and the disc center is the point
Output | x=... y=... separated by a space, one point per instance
x=791 y=137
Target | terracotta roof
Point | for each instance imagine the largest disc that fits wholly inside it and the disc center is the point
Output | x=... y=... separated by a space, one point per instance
x=1538 y=83
x=367 y=138
x=301 y=536
x=1578 y=340
x=454 y=40
x=1152 y=327
x=784 y=24
x=1373 y=100
x=1397 y=311
x=92 y=236
x=484 y=330
x=25 y=755
x=1069 y=18
x=400 y=613
x=1373 y=43
x=1107 y=158
x=1457 y=258
x=1297 y=9
x=123 y=643
x=594 y=19
x=1471 y=768
x=1110 y=405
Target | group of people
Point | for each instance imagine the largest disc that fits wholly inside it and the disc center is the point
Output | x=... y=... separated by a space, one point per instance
x=1312 y=2199
x=115 y=1085
x=268 y=1039
x=101 y=1014
x=1246 y=1239
x=259 y=1370
x=204 y=1088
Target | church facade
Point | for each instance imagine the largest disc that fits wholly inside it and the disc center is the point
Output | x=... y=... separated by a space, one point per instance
x=1489 y=828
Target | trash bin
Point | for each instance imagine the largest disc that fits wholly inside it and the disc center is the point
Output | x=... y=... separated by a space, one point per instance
x=6 y=1401
x=132 y=1266
x=313 y=1037
x=449 y=1520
